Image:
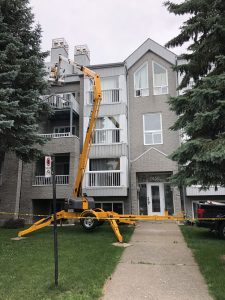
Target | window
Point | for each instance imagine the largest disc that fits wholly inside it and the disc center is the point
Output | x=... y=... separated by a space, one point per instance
x=62 y=162
x=62 y=129
x=141 y=81
x=107 y=122
x=109 y=83
x=152 y=129
x=110 y=206
x=110 y=90
x=105 y=164
x=160 y=79
x=107 y=130
x=104 y=172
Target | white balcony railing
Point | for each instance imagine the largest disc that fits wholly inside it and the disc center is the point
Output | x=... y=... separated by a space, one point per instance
x=60 y=180
x=107 y=136
x=56 y=135
x=103 y=178
x=62 y=101
x=108 y=96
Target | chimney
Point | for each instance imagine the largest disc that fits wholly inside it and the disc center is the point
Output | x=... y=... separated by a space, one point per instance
x=59 y=46
x=82 y=55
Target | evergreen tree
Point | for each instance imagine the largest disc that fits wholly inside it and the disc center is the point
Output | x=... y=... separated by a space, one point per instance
x=201 y=109
x=21 y=80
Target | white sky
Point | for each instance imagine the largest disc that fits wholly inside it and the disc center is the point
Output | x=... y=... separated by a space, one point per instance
x=112 y=29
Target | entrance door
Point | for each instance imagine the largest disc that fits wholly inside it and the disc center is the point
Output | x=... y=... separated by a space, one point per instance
x=155 y=198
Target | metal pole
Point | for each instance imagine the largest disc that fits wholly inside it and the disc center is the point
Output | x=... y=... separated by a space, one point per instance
x=71 y=118
x=55 y=222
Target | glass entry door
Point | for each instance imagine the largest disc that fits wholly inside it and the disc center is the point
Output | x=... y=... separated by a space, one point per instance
x=155 y=198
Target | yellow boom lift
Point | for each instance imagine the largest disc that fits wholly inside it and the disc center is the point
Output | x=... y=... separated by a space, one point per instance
x=80 y=206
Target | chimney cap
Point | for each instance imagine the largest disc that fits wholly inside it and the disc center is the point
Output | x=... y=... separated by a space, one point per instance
x=60 y=43
x=82 y=49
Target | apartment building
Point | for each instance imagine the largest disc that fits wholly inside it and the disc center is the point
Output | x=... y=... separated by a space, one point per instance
x=106 y=176
x=128 y=166
x=151 y=81
x=24 y=188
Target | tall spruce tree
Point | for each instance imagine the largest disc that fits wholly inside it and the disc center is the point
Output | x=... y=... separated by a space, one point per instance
x=201 y=110
x=21 y=80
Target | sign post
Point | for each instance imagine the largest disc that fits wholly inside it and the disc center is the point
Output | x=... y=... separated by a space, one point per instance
x=50 y=169
x=48 y=166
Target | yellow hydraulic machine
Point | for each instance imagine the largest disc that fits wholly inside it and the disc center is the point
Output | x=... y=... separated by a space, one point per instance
x=80 y=206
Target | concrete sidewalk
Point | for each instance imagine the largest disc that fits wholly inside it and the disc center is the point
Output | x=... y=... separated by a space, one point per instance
x=157 y=266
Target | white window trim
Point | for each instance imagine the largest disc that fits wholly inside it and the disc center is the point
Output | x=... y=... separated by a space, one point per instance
x=152 y=131
x=159 y=86
x=146 y=88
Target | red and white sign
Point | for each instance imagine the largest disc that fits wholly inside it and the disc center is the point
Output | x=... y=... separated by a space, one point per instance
x=48 y=166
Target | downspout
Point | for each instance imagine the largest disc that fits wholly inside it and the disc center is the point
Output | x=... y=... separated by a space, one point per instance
x=128 y=140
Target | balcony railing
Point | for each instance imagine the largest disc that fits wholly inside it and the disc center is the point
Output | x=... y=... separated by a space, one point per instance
x=42 y=180
x=107 y=136
x=62 y=101
x=108 y=96
x=56 y=135
x=103 y=178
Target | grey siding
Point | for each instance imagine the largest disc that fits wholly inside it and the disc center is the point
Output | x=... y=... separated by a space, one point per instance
x=146 y=158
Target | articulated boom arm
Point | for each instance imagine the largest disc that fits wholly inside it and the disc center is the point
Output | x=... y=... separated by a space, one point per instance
x=94 y=114
x=90 y=130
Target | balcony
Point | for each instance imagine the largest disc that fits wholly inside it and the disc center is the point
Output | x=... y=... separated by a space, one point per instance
x=108 y=96
x=43 y=181
x=55 y=135
x=103 y=178
x=107 y=136
x=62 y=101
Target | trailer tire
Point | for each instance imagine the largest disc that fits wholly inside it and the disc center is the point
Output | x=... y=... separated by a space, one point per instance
x=222 y=230
x=88 y=221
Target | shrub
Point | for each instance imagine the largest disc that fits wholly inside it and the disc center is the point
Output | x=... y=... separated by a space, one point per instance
x=14 y=223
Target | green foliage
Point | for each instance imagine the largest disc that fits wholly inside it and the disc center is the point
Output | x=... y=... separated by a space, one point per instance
x=14 y=223
x=21 y=80
x=208 y=251
x=201 y=109
x=86 y=260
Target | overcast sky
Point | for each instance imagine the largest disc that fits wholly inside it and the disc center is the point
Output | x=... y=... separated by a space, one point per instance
x=112 y=29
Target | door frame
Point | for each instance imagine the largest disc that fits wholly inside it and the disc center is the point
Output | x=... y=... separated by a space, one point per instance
x=149 y=198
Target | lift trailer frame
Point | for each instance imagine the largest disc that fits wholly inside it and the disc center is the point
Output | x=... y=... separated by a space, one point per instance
x=89 y=219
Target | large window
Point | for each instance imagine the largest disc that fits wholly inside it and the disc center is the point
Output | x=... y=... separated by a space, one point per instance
x=160 y=79
x=104 y=164
x=110 y=90
x=104 y=172
x=152 y=124
x=141 y=81
x=109 y=83
x=107 y=130
x=107 y=122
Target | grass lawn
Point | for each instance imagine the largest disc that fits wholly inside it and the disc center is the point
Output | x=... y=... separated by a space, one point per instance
x=209 y=252
x=86 y=259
